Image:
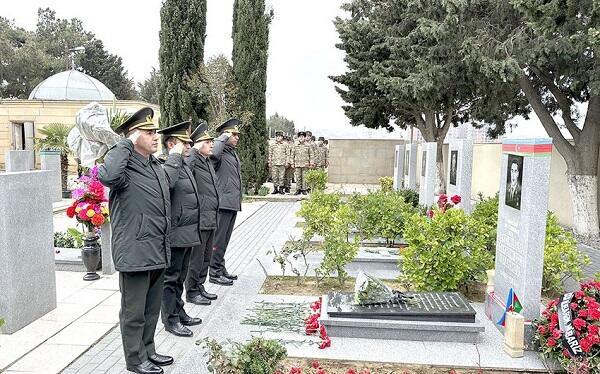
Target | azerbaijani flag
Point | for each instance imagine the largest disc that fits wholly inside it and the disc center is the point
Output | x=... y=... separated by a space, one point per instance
x=512 y=305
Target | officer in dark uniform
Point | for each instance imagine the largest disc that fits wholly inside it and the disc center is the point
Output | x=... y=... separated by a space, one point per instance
x=184 y=233
x=206 y=180
x=229 y=183
x=140 y=209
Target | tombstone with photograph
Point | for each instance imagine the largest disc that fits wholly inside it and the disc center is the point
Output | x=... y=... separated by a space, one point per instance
x=460 y=169
x=428 y=173
x=399 y=167
x=522 y=210
x=410 y=167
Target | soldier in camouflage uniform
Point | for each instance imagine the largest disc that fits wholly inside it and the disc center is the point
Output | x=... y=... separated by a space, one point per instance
x=278 y=160
x=310 y=140
x=302 y=160
x=289 y=169
x=321 y=154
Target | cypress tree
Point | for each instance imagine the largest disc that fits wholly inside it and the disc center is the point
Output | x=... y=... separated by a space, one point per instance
x=182 y=34
x=250 y=50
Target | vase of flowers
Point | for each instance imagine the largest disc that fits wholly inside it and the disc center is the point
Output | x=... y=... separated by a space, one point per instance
x=90 y=209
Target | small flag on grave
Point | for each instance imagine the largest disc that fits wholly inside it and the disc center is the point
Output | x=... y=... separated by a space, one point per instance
x=512 y=305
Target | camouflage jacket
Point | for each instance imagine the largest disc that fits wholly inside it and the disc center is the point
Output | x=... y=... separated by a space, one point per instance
x=321 y=155
x=278 y=154
x=302 y=155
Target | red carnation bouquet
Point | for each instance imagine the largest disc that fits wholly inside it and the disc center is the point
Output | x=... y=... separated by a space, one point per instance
x=90 y=206
x=443 y=204
x=569 y=330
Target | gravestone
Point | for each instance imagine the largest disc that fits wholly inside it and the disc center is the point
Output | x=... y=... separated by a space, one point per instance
x=399 y=167
x=410 y=166
x=27 y=278
x=108 y=266
x=523 y=205
x=428 y=173
x=432 y=317
x=17 y=160
x=50 y=160
x=460 y=171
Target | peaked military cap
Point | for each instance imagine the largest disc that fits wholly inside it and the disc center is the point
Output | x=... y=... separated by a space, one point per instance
x=180 y=131
x=201 y=133
x=321 y=138
x=278 y=133
x=142 y=119
x=308 y=133
x=301 y=133
x=231 y=126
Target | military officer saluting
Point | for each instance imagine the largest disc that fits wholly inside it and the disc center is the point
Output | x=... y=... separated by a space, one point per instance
x=206 y=180
x=184 y=235
x=278 y=160
x=229 y=183
x=301 y=160
x=140 y=221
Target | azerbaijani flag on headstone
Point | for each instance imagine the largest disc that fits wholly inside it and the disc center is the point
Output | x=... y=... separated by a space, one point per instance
x=512 y=305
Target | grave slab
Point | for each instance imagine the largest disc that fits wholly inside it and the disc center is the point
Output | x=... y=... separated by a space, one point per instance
x=427 y=173
x=399 y=167
x=410 y=166
x=460 y=171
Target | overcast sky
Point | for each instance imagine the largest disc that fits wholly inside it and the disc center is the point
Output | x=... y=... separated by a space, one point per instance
x=302 y=51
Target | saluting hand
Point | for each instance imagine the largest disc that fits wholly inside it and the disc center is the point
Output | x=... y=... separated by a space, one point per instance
x=134 y=136
x=177 y=148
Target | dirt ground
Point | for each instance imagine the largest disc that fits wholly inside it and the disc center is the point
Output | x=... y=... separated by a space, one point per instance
x=278 y=285
x=341 y=367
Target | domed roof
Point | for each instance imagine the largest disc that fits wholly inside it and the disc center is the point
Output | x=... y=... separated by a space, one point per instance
x=71 y=85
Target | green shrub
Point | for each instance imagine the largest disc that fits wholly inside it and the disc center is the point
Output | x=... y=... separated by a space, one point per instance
x=386 y=184
x=317 y=212
x=263 y=191
x=410 y=196
x=486 y=212
x=62 y=239
x=562 y=259
x=258 y=356
x=445 y=252
x=316 y=179
x=339 y=251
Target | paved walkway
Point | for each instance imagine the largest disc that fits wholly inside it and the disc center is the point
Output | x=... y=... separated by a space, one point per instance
x=106 y=356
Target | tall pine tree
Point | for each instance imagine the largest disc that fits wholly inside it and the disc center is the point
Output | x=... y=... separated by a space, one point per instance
x=182 y=34
x=250 y=50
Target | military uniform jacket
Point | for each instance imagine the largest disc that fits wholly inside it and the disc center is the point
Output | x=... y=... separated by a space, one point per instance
x=140 y=209
x=321 y=155
x=302 y=156
x=290 y=153
x=206 y=180
x=278 y=154
x=229 y=174
x=185 y=215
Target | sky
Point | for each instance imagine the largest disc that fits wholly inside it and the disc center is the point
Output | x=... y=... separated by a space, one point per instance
x=302 y=52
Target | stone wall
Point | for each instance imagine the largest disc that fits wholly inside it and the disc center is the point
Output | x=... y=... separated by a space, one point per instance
x=361 y=161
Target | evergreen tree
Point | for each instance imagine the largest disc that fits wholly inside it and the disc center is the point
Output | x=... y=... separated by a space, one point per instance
x=250 y=51
x=182 y=35
x=149 y=90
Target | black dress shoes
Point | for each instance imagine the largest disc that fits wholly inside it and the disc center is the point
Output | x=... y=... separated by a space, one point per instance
x=229 y=276
x=207 y=295
x=177 y=329
x=190 y=321
x=198 y=300
x=221 y=280
x=161 y=360
x=145 y=367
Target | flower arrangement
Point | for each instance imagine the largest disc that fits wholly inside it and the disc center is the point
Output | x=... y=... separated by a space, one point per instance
x=312 y=326
x=569 y=330
x=90 y=206
x=443 y=204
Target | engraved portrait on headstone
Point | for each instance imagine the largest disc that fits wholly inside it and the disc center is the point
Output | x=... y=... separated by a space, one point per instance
x=406 y=158
x=514 y=178
x=453 y=165
x=423 y=163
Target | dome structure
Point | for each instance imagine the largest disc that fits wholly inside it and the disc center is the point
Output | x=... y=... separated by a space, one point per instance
x=71 y=85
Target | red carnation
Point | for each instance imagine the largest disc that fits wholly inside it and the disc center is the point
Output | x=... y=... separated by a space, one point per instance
x=322 y=332
x=583 y=313
x=593 y=329
x=541 y=329
x=586 y=345
x=83 y=215
x=316 y=364
x=98 y=220
x=574 y=306
x=551 y=342
x=579 y=294
x=579 y=323
x=71 y=212
x=456 y=199
x=325 y=343
x=554 y=317
x=556 y=334
x=443 y=199
x=350 y=371
x=295 y=370
x=321 y=371
x=430 y=213
x=594 y=314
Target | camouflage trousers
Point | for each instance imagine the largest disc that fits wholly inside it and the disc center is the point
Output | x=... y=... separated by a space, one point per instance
x=299 y=174
x=277 y=175
x=289 y=175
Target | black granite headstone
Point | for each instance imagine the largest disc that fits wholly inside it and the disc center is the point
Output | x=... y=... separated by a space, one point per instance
x=426 y=306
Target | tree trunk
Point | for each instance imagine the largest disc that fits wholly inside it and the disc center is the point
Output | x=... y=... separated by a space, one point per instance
x=440 y=180
x=434 y=130
x=581 y=157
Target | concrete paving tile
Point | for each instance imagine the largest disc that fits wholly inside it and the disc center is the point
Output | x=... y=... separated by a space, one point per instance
x=88 y=297
x=66 y=312
x=81 y=333
x=102 y=314
x=106 y=282
x=49 y=358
